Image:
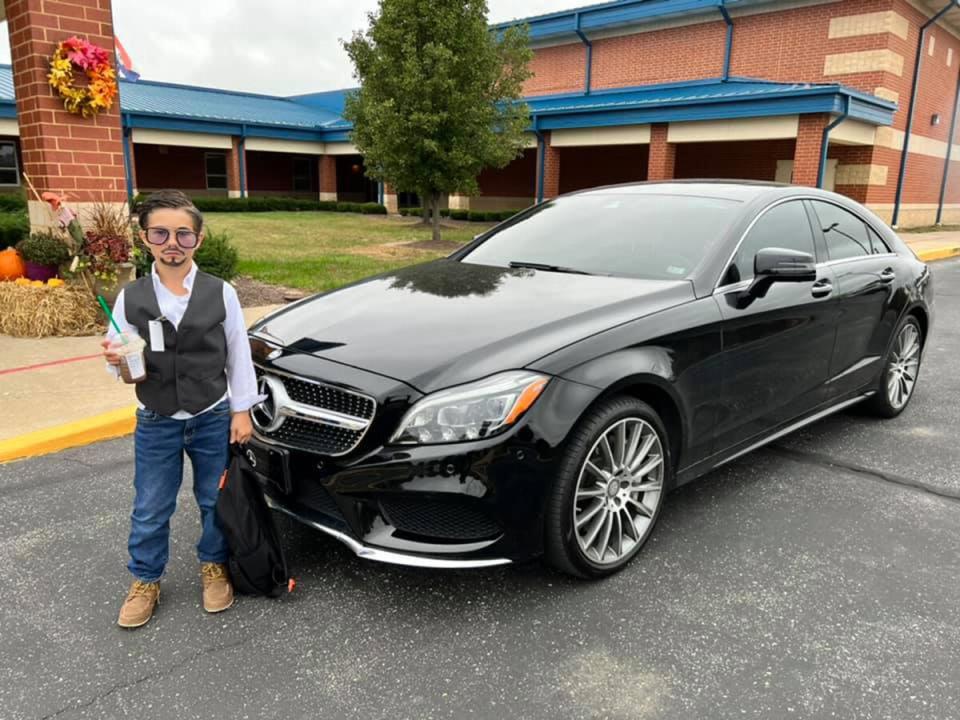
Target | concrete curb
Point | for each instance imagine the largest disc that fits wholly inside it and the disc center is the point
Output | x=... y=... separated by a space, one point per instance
x=113 y=424
x=938 y=254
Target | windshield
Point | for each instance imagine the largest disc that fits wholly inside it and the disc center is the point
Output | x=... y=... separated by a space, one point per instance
x=660 y=237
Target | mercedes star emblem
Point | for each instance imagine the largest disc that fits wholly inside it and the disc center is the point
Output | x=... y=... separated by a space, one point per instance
x=267 y=415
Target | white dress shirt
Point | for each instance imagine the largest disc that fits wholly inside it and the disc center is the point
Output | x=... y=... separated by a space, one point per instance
x=241 y=379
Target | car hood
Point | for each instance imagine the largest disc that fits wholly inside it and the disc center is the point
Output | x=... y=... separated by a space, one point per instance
x=446 y=322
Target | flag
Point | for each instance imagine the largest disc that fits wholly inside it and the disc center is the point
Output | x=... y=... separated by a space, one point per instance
x=124 y=64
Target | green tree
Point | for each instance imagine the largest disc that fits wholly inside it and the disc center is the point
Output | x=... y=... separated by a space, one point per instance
x=439 y=98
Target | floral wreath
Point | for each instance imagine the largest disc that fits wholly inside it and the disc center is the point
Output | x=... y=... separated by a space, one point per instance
x=101 y=89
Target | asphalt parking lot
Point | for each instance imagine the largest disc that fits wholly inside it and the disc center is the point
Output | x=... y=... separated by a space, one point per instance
x=818 y=578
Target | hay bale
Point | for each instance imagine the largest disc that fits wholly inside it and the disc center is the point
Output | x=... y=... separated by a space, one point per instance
x=44 y=311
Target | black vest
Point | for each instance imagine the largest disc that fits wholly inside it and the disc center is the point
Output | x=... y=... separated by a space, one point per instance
x=190 y=374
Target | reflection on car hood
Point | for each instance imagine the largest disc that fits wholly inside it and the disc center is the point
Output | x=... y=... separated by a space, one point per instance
x=446 y=322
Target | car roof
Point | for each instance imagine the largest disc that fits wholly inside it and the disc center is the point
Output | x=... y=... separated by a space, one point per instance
x=736 y=190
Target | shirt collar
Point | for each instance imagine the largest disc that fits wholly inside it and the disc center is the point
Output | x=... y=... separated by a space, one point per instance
x=187 y=281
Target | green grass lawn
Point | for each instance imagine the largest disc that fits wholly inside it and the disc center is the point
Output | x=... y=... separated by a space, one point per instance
x=319 y=251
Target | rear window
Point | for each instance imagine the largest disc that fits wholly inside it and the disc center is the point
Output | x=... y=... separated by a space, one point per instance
x=642 y=236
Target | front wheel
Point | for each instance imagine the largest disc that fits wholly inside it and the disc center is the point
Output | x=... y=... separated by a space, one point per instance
x=900 y=371
x=609 y=489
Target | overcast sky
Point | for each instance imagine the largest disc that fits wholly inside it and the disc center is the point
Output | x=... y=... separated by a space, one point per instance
x=279 y=47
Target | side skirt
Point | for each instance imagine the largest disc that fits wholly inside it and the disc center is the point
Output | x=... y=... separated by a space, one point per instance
x=705 y=466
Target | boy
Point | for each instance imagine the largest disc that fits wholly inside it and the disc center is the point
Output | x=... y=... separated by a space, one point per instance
x=196 y=398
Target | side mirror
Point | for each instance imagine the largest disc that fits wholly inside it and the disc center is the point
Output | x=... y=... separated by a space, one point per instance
x=772 y=265
x=782 y=265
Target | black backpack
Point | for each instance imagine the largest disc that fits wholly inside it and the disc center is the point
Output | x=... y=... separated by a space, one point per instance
x=257 y=563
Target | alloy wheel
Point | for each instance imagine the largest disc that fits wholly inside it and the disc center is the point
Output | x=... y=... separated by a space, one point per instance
x=904 y=365
x=618 y=491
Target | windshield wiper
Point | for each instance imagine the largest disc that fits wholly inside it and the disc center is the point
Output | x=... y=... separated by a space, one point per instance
x=548 y=268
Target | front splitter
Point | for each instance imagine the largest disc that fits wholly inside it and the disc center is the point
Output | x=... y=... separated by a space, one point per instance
x=388 y=556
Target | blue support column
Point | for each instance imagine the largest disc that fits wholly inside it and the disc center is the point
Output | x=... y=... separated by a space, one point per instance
x=242 y=160
x=918 y=63
x=729 y=45
x=541 y=159
x=946 y=163
x=127 y=155
x=588 y=61
x=825 y=141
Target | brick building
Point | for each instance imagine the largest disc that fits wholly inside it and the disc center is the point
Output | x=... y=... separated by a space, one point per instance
x=825 y=92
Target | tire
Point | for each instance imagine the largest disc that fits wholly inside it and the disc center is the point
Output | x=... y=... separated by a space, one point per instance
x=579 y=489
x=900 y=372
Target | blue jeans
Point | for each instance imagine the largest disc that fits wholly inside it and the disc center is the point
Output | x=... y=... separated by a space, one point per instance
x=159 y=444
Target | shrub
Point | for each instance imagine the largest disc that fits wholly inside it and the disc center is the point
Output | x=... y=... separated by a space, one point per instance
x=44 y=248
x=14 y=227
x=272 y=204
x=12 y=202
x=459 y=214
x=140 y=256
x=373 y=209
x=217 y=256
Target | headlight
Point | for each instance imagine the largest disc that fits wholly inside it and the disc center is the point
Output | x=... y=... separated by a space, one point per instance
x=471 y=412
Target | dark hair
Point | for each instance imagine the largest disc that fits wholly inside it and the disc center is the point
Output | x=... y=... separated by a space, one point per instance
x=172 y=199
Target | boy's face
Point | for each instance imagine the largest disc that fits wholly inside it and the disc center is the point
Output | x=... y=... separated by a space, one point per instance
x=171 y=237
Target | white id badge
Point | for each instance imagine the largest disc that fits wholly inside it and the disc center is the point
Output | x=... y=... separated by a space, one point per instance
x=156 y=335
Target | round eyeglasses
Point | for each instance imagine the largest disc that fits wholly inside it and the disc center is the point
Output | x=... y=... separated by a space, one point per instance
x=159 y=236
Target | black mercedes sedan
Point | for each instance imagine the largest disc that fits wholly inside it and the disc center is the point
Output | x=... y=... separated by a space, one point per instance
x=540 y=391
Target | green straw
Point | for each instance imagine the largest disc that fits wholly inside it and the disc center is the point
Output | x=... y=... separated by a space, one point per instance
x=103 y=304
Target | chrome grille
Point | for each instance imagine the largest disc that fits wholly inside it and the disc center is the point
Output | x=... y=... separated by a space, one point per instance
x=329 y=398
x=300 y=432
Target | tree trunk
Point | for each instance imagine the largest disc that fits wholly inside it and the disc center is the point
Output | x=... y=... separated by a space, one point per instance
x=426 y=208
x=435 y=198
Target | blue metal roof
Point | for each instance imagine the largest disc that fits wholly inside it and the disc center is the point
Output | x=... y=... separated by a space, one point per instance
x=612 y=14
x=316 y=116
x=224 y=110
x=153 y=98
x=704 y=100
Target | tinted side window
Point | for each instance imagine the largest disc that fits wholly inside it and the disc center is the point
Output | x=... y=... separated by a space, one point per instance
x=846 y=234
x=877 y=243
x=783 y=226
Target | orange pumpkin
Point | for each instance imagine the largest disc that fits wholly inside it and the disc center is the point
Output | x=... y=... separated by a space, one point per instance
x=11 y=264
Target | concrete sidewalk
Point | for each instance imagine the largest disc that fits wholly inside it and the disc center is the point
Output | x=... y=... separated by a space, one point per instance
x=56 y=394
x=931 y=246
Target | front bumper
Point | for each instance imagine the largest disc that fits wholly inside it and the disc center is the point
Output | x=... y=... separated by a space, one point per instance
x=472 y=504
x=469 y=505
x=395 y=558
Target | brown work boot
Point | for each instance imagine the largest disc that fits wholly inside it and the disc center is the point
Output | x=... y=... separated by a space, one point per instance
x=217 y=589
x=141 y=601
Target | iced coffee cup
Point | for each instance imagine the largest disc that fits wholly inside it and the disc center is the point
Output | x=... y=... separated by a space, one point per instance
x=133 y=368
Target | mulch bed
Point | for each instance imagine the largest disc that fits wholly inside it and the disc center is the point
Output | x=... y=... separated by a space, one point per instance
x=444 y=246
x=253 y=293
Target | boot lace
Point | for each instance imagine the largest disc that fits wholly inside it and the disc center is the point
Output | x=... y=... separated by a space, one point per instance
x=140 y=587
x=212 y=571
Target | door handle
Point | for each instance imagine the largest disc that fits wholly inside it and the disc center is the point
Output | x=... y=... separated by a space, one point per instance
x=888 y=276
x=821 y=288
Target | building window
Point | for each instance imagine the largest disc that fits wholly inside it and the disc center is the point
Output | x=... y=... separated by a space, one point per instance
x=301 y=174
x=216 y=171
x=9 y=170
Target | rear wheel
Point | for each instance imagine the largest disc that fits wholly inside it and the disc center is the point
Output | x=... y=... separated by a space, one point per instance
x=900 y=371
x=609 y=489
